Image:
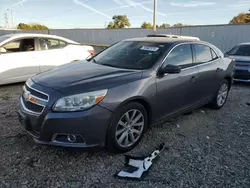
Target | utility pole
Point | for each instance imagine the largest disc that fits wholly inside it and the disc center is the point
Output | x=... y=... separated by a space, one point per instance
x=6 y=19
x=154 y=18
x=12 y=24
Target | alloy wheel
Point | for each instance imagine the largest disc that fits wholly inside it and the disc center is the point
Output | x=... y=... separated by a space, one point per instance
x=222 y=94
x=129 y=128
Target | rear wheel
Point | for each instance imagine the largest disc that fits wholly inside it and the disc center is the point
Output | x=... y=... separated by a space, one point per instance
x=127 y=127
x=221 y=95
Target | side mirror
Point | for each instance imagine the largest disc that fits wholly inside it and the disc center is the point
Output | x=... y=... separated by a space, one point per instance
x=2 y=50
x=170 y=69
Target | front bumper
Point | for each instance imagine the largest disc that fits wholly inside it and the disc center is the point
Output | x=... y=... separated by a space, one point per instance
x=51 y=128
x=242 y=75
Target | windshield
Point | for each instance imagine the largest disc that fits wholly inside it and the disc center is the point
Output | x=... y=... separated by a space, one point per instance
x=132 y=54
x=3 y=38
x=241 y=50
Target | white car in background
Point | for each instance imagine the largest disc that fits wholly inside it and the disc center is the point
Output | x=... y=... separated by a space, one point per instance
x=25 y=55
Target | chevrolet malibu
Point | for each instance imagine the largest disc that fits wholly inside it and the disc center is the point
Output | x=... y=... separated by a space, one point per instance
x=241 y=54
x=24 y=55
x=111 y=99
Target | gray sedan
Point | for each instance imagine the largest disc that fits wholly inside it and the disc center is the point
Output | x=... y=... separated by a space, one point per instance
x=241 y=54
x=111 y=99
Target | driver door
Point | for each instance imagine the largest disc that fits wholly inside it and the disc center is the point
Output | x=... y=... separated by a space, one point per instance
x=18 y=63
x=177 y=92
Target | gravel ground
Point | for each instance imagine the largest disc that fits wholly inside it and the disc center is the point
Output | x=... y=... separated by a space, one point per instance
x=206 y=149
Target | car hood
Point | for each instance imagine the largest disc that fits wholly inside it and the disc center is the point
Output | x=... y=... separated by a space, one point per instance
x=240 y=58
x=85 y=76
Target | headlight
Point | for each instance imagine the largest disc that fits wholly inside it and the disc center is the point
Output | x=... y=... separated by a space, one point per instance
x=79 y=102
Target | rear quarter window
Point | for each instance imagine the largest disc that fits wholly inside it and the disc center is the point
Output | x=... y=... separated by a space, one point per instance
x=203 y=53
x=214 y=55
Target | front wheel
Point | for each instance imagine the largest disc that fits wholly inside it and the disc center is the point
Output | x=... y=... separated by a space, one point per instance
x=221 y=95
x=127 y=127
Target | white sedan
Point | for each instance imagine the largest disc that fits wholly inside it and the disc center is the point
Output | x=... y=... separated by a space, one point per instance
x=24 y=55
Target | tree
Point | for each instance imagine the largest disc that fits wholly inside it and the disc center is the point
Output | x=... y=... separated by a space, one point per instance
x=164 y=25
x=119 y=21
x=110 y=25
x=22 y=26
x=146 y=25
x=179 y=25
x=242 y=18
x=32 y=26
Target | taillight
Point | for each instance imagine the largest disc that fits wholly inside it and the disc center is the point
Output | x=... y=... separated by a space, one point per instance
x=92 y=52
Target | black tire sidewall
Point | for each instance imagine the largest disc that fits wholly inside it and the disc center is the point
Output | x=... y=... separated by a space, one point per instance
x=111 y=142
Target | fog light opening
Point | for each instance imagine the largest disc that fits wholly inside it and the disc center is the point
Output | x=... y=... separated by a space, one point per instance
x=71 y=138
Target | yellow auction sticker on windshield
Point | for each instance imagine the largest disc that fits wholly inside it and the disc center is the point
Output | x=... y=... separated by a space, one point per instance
x=149 y=48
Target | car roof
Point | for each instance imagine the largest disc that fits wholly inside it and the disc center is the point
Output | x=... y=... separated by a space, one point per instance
x=172 y=36
x=17 y=35
x=163 y=40
x=245 y=43
x=174 y=41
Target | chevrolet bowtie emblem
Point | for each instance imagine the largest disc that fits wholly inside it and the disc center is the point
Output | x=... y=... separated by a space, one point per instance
x=28 y=97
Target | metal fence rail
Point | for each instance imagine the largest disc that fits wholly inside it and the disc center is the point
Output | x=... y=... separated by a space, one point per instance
x=223 y=36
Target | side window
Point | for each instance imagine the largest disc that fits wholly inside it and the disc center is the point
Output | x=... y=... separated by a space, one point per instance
x=21 y=45
x=203 y=53
x=214 y=55
x=13 y=46
x=180 y=56
x=62 y=44
x=51 y=44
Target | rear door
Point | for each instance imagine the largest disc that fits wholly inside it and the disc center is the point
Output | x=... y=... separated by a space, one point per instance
x=209 y=67
x=19 y=62
x=177 y=92
x=52 y=53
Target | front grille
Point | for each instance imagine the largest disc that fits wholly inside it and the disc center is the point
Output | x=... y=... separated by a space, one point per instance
x=32 y=107
x=33 y=100
x=36 y=93
x=242 y=75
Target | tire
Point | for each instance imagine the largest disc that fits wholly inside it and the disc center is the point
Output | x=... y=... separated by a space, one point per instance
x=222 y=93
x=124 y=134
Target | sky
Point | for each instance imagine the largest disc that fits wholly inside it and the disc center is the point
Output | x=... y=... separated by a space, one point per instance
x=98 y=13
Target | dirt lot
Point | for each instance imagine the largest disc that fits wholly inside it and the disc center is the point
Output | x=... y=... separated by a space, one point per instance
x=206 y=149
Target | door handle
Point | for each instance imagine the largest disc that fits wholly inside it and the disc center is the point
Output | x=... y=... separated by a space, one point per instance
x=193 y=78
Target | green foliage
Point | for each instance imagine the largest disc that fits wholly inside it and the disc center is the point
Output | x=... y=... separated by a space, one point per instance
x=242 y=18
x=110 y=25
x=32 y=26
x=165 y=25
x=146 y=25
x=179 y=25
x=149 y=25
x=119 y=21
